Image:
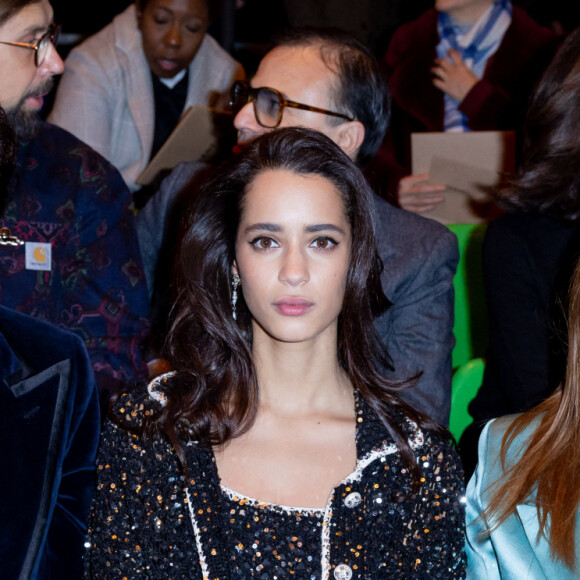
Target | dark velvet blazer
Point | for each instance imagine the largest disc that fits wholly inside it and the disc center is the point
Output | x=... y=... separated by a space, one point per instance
x=49 y=429
x=497 y=102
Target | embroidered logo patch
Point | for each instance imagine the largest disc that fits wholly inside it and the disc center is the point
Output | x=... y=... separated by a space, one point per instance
x=38 y=256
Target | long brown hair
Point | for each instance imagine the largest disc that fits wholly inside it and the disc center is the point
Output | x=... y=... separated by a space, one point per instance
x=551 y=460
x=214 y=396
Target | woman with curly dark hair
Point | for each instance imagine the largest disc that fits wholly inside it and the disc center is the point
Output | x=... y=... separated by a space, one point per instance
x=276 y=448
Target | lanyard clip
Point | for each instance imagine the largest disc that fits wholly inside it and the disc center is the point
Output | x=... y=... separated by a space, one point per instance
x=7 y=239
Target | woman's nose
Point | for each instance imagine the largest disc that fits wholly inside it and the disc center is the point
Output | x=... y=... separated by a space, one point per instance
x=173 y=36
x=294 y=270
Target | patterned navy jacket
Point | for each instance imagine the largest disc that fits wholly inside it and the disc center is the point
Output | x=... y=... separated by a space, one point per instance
x=80 y=267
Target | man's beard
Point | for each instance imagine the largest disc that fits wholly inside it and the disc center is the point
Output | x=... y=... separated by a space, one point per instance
x=24 y=121
x=19 y=124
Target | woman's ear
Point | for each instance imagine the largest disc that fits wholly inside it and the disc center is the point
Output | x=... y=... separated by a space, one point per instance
x=235 y=269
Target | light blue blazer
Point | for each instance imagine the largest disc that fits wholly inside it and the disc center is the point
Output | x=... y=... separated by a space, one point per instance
x=513 y=551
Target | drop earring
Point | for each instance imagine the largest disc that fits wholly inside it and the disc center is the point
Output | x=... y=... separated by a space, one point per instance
x=235 y=284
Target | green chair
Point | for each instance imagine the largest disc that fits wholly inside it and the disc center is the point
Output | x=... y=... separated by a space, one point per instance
x=470 y=326
x=464 y=386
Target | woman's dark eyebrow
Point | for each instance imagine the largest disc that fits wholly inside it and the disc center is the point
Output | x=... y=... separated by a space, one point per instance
x=324 y=227
x=263 y=227
x=268 y=227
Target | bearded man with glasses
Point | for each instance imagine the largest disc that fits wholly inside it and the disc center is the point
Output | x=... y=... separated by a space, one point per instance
x=75 y=261
x=26 y=75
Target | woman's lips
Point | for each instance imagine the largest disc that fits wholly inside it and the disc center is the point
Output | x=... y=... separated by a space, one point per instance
x=167 y=64
x=293 y=306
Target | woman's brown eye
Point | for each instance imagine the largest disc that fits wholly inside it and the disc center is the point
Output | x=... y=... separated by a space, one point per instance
x=263 y=243
x=324 y=243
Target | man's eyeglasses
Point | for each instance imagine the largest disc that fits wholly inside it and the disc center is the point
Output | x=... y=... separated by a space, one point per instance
x=269 y=104
x=41 y=46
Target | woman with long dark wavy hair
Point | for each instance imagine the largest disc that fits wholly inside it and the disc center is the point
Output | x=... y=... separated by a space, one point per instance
x=524 y=497
x=275 y=448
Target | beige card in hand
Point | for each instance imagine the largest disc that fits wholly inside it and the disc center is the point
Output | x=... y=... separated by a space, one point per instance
x=194 y=139
x=469 y=164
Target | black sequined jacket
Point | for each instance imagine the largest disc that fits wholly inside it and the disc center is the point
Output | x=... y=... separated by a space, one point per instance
x=148 y=522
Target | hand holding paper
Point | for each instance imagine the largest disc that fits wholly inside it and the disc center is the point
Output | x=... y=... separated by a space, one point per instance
x=416 y=194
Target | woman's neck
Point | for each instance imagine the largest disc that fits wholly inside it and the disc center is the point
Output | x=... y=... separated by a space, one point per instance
x=304 y=430
x=299 y=377
x=470 y=13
